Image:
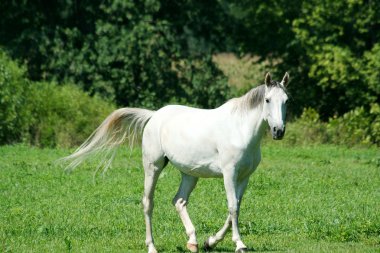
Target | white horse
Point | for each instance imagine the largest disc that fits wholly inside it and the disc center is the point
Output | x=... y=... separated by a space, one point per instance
x=223 y=142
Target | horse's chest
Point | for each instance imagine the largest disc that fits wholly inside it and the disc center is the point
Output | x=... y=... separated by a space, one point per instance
x=247 y=166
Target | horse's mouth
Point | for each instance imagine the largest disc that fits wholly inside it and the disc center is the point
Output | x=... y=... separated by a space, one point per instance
x=278 y=133
x=277 y=138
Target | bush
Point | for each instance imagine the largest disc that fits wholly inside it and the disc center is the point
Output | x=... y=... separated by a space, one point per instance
x=14 y=116
x=63 y=115
x=307 y=129
x=356 y=127
x=45 y=114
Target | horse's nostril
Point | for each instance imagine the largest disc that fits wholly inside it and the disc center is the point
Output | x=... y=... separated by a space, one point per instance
x=274 y=129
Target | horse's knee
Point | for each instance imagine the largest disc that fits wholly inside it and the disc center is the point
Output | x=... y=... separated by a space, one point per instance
x=147 y=205
x=179 y=203
x=233 y=210
x=174 y=200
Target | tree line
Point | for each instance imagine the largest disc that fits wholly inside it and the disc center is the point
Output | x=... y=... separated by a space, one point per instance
x=153 y=52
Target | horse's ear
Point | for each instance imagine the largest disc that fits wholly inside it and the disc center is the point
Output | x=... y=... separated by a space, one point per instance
x=285 y=80
x=268 y=79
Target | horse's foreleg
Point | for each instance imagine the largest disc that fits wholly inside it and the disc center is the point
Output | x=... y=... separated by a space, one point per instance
x=212 y=241
x=152 y=172
x=233 y=187
x=180 y=201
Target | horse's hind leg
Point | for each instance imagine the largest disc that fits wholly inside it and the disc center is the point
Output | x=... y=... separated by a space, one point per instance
x=180 y=201
x=152 y=171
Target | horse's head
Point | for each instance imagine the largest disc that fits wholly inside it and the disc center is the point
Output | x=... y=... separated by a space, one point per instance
x=275 y=105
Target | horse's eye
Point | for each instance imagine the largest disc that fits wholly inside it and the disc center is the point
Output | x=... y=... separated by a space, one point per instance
x=267 y=100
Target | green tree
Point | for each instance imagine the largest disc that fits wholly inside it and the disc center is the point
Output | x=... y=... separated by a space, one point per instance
x=329 y=48
x=134 y=52
x=123 y=50
x=338 y=38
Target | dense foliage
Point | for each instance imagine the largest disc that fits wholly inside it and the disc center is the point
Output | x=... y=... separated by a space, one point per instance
x=331 y=48
x=153 y=52
x=14 y=119
x=358 y=126
x=63 y=115
x=342 y=51
x=124 y=50
x=45 y=114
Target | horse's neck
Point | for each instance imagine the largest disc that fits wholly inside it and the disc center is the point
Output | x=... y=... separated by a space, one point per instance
x=251 y=125
x=255 y=121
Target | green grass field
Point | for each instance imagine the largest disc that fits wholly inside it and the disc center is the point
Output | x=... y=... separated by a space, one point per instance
x=301 y=199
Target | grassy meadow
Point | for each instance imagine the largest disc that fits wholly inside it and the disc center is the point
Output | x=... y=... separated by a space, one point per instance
x=301 y=199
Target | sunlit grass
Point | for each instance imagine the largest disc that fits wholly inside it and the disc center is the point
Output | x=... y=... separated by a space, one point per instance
x=301 y=199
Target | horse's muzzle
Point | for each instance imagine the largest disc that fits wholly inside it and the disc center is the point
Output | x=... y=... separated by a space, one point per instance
x=278 y=133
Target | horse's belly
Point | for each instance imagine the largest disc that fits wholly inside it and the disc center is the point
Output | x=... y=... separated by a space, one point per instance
x=198 y=170
x=193 y=154
x=189 y=140
x=198 y=162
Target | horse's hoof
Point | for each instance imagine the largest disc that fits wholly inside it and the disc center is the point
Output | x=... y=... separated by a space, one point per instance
x=192 y=247
x=241 y=250
x=207 y=246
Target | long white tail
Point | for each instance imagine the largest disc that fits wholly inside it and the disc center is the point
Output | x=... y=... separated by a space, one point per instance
x=121 y=125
